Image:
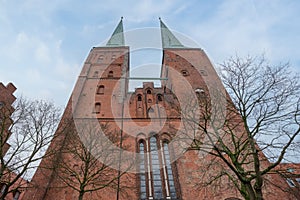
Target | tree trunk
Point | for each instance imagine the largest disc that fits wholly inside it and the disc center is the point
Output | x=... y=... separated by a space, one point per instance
x=250 y=192
x=80 y=197
x=258 y=189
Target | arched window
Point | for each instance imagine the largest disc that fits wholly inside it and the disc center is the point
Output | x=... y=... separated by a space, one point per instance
x=97 y=107
x=96 y=73
x=110 y=74
x=200 y=92
x=168 y=167
x=161 y=171
x=100 y=89
x=159 y=97
x=157 y=184
x=185 y=73
x=143 y=187
x=148 y=91
x=139 y=97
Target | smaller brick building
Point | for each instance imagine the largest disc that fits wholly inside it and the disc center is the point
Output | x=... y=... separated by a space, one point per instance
x=6 y=109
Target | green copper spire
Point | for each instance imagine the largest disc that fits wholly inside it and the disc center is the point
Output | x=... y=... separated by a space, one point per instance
x=168 y=38
x=117 y=38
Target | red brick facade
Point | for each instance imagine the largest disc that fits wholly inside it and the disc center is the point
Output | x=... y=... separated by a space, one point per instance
x=149 y=119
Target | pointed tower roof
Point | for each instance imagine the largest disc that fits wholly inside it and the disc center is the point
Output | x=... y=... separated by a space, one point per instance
x=117 y=38
x=168 y=38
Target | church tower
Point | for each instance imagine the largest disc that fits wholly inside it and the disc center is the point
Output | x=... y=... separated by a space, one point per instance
x=149 y=154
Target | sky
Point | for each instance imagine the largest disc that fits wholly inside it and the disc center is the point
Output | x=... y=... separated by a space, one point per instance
x=44 y=43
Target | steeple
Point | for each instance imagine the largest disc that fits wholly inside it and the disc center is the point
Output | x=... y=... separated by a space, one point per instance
x=117 y=38
x=168 y=38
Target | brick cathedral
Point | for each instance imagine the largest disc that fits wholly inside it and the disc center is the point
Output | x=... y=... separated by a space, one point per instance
x=140 y=158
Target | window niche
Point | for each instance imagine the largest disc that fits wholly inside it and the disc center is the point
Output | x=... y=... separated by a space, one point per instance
x=96 y=74
x=110 y=74
x=97 y=107
x=200 y=93
x=100 y=59
x=100 y=89
x=139 y=97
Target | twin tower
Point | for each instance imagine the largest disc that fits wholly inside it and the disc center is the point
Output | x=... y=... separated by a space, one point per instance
x=141 y=126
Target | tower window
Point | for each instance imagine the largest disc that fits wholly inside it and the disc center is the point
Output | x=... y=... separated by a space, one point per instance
x=96 y=73
x=100 y=58
x=185 y=73
x=97 y=108
x=100 y=89
x=290 y=182
x=203 y=72
x=110 y=74
x=148 y=91
x=200 y=93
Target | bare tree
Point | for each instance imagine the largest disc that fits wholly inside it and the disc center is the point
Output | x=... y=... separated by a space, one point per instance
x=88 y=159
x=28 y=129
x=260 y=123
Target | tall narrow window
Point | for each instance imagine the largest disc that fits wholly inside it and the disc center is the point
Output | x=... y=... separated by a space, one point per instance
x=3 y=188
x=97 y=108
x=170 y=177
x=157 y=181
x=100 y=89
x=16 y=195
x=157 y=185
x=139 y=97
x=142 y=171
x=95 y=75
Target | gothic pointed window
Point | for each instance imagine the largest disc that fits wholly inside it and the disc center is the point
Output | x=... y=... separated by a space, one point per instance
x=156 y=174
x=143 y=187
x=155 y=164
x=139 y=97
x=168 y=168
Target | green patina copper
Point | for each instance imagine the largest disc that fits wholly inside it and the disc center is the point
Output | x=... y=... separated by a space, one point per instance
x=168 y=38
x=117 y=38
